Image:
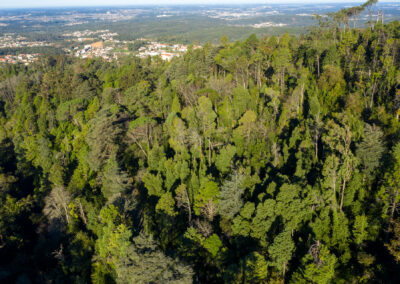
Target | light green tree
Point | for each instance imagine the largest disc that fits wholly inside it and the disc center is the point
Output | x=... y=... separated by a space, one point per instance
x=281 y=251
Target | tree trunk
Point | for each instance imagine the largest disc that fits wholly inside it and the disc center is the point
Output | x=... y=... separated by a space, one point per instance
x=82 y=213
x=301 y=99
x=209 y=151
x=66 y=213
x=370 y=20
x=391 y=217
x=334 y=194
x=372 y=95
x=393 y=209
x=342 y=195
x=189 y=207
x=247 y=76
x=302 y=95
x=284 y=270
x=141 y=148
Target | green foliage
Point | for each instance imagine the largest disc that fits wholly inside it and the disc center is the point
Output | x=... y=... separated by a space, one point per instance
x=213 y=244
x=394 y=245
x=263 y=220
x=240 y=100
x=104 y=125
x=359 y=231
x=281 y=251
x=242 y=223
x=224 y=159
x=153 y=184
x=318 y=266
x=145 y=263
x=230 y=197
x=256 y=268
x=264 y=161
x=370 y=150
x=208 y=193
x=114 y=180
x=166 y=204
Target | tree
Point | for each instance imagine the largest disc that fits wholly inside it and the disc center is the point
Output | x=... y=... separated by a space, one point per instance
x=390 y=191
x=394 y=244
x=224 y=159
x=230 y=196
x=166 y=204
x=281 y=59
x=339 y=140
x=242 y=223
x=154 y=184
x=207 y=199
x=183 y=200
x=105 y=124
x=318 y=266
x=115 y=181
x=360 y=229
x=57 y=205
x=292 y=206
x=281 y=251
x=369 y=5
x=240 y=101
x=265 y=216
x=207 y=118
x=316 y=126
x=331 y=179
x=145 y=263
x=112 y=243
x=370 y=150
x=255 y=269
x=140 y=133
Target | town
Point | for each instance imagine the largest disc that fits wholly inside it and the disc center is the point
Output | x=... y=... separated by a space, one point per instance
x=94 y=44
x=20 y=58
x=12 y=40
x=104 y=44
x=113 y=49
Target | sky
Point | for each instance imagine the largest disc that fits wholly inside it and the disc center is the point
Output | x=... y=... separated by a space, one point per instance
x=68 y=3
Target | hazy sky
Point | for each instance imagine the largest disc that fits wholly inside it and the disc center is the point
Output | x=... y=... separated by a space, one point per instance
x=57 y=3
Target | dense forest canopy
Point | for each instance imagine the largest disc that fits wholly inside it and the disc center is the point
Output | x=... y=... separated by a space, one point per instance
x=272 y=160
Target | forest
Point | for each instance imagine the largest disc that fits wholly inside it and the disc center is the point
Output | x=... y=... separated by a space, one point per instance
x=271 y=160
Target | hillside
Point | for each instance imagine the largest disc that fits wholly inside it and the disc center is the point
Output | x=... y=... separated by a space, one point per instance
x=272 y=160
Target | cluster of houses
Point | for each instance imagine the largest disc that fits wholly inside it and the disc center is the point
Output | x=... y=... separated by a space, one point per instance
x=88 y=35
x=96 y=49
x=103 y=44
x=165 y=51
x=10 y=40
x=109 y=36
x=20 y=58
x=268 y=24
x=107 y=45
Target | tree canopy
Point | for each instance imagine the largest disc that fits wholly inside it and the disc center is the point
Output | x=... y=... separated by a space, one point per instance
x=272 y=160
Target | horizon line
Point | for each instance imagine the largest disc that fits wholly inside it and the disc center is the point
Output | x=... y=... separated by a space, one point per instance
x=289 y=2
